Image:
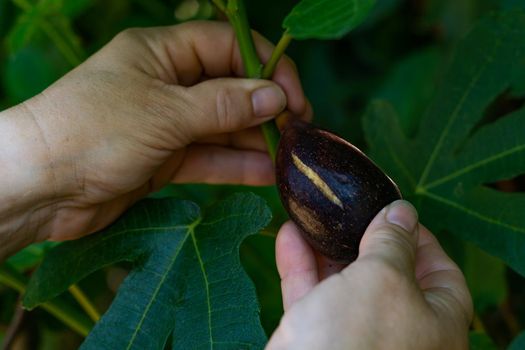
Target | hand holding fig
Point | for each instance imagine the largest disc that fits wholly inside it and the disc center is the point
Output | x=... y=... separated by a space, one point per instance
x=330 y=189
x=403 y=291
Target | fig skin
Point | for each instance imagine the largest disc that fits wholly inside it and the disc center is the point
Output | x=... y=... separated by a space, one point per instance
x=330 y=189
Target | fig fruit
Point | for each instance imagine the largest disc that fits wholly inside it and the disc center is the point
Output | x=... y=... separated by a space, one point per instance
x=330 y=189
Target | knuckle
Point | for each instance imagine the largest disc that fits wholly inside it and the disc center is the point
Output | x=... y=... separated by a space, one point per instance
x=166 y=107
x=395 y=237
x=226 y=108
x=128 y=35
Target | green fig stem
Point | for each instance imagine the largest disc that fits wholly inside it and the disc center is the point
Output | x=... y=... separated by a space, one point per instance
x=277 y=53
x=84 y=301
x=270 y=131
x=236 y=13
x=62 y=311
x=271 y=135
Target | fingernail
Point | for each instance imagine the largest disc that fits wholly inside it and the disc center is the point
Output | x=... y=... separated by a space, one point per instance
x=403 y=214
x=268 y=101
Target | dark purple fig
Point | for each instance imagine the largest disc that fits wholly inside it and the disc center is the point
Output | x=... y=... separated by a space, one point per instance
x=330 y=189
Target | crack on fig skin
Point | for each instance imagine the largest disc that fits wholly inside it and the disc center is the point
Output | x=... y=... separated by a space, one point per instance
x=307 y=218
x=319 y=183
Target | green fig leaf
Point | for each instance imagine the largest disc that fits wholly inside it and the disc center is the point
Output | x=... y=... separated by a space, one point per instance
x=459 y=149
x=326 y=19
x=186 y=281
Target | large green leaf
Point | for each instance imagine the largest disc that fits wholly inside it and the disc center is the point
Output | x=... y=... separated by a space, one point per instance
x=187 y=279
x=410 y=86
x=457 y=151
x=326 y=19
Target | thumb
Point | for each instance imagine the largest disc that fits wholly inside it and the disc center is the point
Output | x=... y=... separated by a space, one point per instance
x=392 y=237
x=230 y=104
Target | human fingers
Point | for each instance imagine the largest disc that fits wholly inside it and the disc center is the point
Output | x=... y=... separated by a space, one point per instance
x=327 y=267
x=224 y=105
x=190 y=51
x=252 y=138
x=391 y=238
x=247 y=139
x=441 y=281
x=296 y=263
x=222 y=165
x=286 y=75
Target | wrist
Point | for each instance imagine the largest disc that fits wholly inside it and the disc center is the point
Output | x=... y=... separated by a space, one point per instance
x=29 y=186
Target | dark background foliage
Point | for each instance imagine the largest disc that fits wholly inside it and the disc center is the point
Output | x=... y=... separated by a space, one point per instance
x=399 y=54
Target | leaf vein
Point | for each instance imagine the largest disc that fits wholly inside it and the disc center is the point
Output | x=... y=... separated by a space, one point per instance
x=473 y=166
x=473 y=213
x=206 y=283
x=454 y=116
x=159 y=285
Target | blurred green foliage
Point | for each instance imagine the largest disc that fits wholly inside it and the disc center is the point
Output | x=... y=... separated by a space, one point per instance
x=399 y=54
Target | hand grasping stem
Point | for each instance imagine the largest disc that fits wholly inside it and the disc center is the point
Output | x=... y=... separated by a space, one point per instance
x=236 y=13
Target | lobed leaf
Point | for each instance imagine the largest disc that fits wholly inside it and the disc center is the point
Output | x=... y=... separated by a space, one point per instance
x=187 y=279
x=444 y=169
x=326 y=19
x=409 y=87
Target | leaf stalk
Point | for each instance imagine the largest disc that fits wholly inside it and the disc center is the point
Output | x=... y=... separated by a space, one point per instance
x=277 y=53
x=69 y=316
x=85 y=302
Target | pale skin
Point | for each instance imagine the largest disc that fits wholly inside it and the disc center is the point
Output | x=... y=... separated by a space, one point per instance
x=167 y=105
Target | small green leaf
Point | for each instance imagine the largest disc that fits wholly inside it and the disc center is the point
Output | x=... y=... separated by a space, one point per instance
x=446 y=167
x=518 y=343
x=326 y=19
x=187 y=278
